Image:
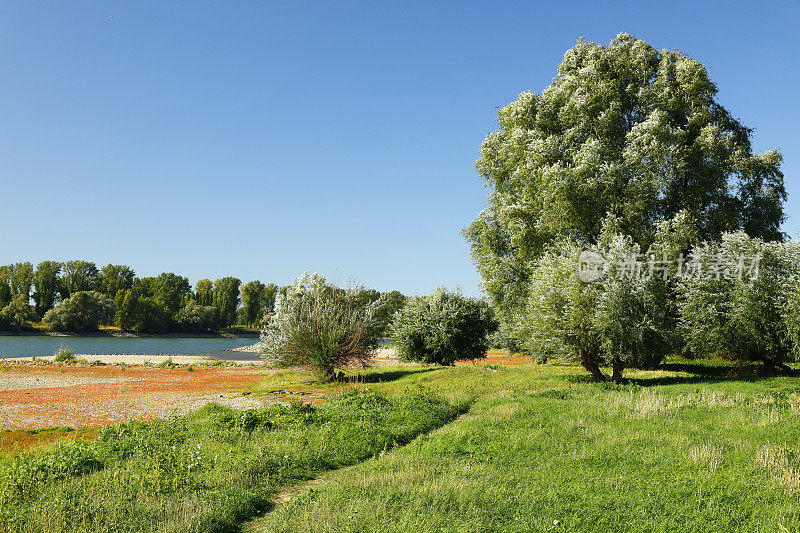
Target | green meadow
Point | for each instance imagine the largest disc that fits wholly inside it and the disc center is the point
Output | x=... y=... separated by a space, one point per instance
x=694 y=446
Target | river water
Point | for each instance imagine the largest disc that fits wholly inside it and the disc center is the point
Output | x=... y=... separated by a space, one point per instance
x=36 y=345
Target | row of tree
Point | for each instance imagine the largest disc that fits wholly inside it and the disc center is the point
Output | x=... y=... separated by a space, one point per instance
x=77 y=296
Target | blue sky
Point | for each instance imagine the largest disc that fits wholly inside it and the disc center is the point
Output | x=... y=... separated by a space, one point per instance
x=265 y=139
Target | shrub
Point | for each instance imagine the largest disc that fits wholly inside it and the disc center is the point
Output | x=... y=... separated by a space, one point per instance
x=196 y=318
x=632 y=313
x=83 y=311
x=320 y=326
x=64 y=355
x=443 y=328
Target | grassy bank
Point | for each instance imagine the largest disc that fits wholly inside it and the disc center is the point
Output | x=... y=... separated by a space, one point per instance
x=207 y=471
x=696 y=446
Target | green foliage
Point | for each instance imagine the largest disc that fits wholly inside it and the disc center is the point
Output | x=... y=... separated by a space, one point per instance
x=505 y=339
x=78 y=276
x=64 y=354
x=125 y=308
x=624 y=133
x=392 y=302
x=5 y=288
x=747 y=319
x=442 y=328
x=20 y=278
x=617 y=320
x=320 y=326
x=226 y=299
x=83 y=311
x=115 y=278
x=207 y=471
x=46 y=286
x=204 y=292
x=14 y=315
x=632 y=313
x=142 y=314
x=253 y=294
x=171 y=291
x=196 y=318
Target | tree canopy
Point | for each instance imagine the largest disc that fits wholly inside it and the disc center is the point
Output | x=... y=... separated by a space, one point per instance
x=625 y=136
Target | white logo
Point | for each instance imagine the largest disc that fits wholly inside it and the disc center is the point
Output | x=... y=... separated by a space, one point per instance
x=591 y=266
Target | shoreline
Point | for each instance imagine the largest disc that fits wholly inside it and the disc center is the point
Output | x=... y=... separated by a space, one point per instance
x=126 y=334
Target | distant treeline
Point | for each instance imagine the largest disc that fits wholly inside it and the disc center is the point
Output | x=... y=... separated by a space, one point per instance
x=77 y=296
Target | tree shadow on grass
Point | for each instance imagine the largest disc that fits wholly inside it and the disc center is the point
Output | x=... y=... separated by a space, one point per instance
x=698 y=372
x=392 y=375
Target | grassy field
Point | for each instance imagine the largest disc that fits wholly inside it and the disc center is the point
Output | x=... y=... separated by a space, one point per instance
x=696 y=446
x=683 y=449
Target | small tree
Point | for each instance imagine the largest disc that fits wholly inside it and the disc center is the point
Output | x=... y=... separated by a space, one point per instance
x=442 y=328
x=749 y=316
x=252 y=302
x=558 y=317
x=632 y=313
x=115 y=278
x=320 y=326
x=204 y=292
x=616 y=320
x=78 y=276
x=83 y=311
x=5 y=288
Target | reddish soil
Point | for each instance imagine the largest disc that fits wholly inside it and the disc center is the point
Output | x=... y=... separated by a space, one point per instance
x=40 y=396
x=499 y=358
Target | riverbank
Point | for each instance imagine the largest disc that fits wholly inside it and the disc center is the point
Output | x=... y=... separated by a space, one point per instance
x=127 y=334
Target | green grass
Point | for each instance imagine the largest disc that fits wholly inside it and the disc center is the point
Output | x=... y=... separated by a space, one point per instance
x=205 y=472
x=541 y=449
x=696 y=446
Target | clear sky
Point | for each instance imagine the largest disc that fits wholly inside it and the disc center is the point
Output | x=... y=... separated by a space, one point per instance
x=264 y=139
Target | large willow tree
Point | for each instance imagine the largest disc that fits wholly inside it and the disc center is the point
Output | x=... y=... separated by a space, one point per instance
x=624 y=137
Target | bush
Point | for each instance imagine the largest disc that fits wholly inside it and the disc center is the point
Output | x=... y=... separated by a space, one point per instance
x=196 y=318
x=64 y=355
x=321 y=326
x=14 y=315
x=443 y=328
x=83 y=311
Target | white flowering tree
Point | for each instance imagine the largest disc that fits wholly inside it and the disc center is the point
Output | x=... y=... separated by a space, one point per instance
x=739 y=298
x=623 y=131
x=558 y=317
x=620 y=319
x=320 y=326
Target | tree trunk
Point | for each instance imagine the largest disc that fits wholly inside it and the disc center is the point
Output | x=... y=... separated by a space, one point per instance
x=771 y=367
x=590 y=363
x=617 y=367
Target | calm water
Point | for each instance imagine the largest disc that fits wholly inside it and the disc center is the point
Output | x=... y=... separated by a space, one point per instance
x=27 y=346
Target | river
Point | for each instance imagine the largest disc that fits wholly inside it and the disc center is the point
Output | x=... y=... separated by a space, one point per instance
x=40 y=345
